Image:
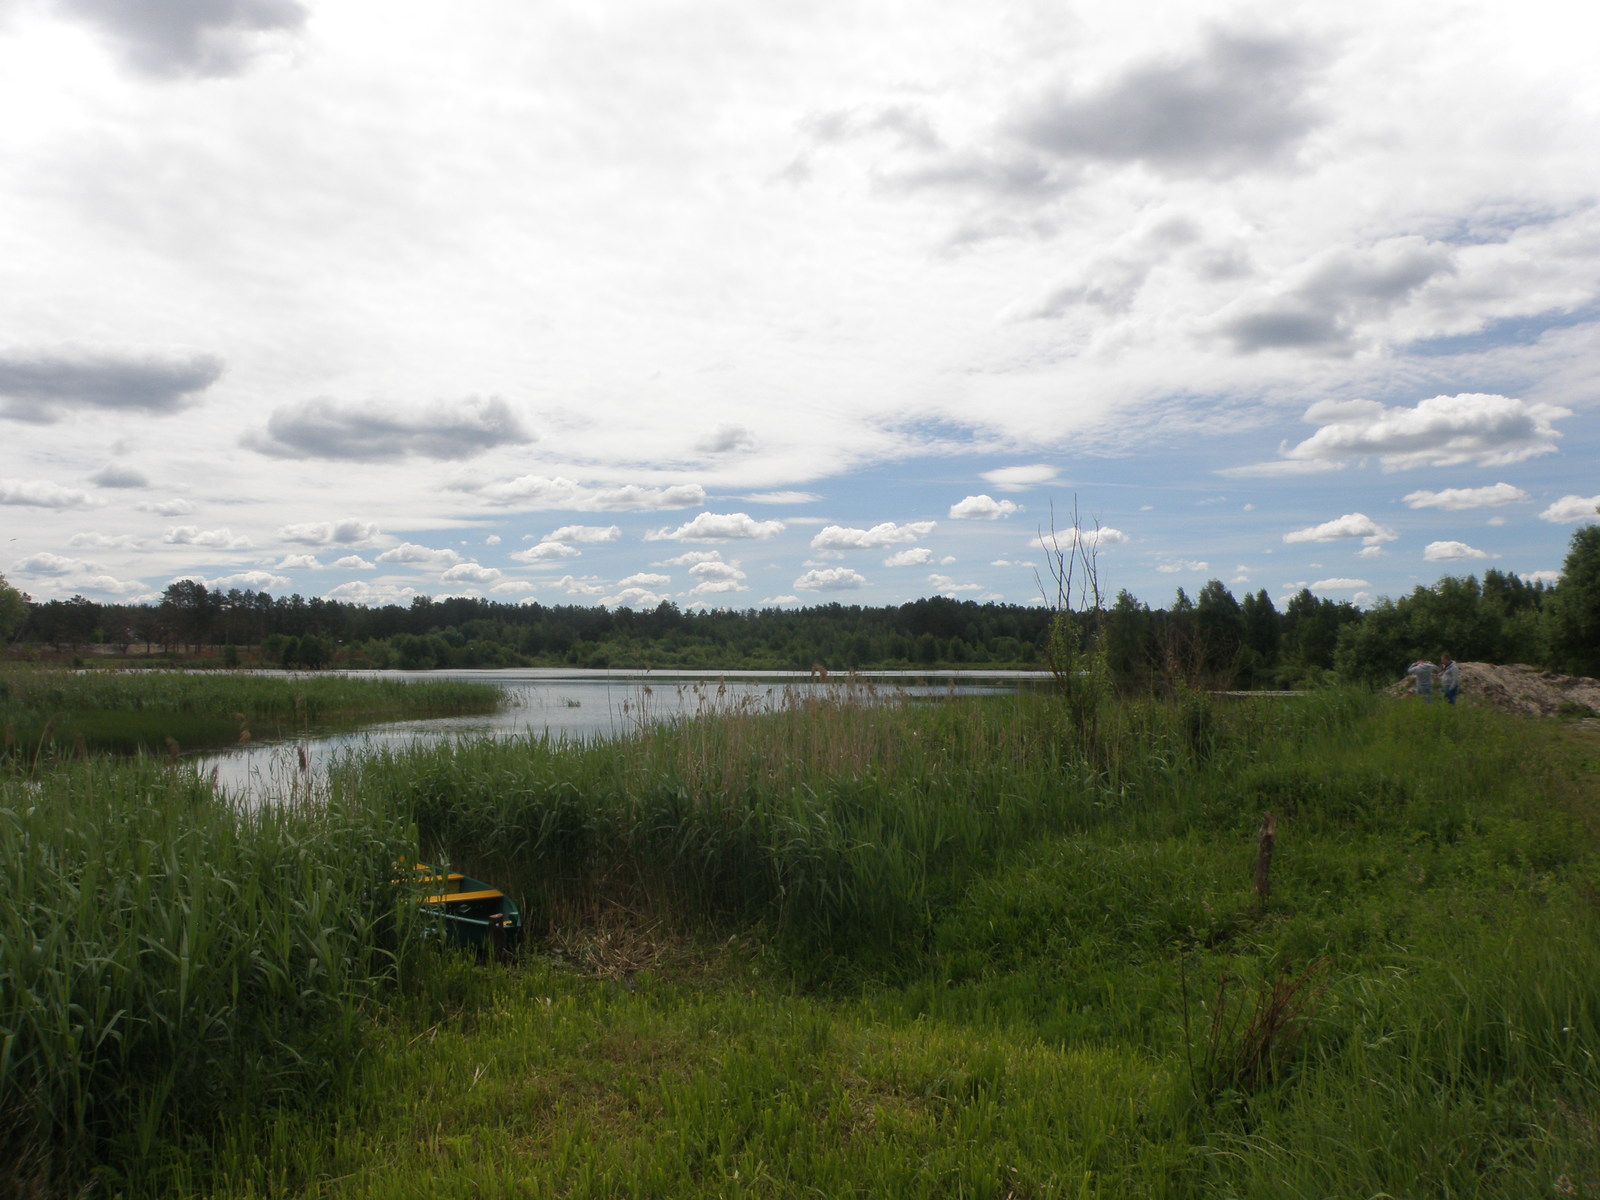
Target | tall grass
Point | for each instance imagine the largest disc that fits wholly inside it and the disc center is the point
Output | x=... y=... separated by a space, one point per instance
x=49 y=709
x=165 y=959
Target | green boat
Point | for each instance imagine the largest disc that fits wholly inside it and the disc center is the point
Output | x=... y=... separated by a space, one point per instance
x=469 y=913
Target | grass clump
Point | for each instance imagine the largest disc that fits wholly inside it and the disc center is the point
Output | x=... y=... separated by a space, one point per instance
x=50 y=711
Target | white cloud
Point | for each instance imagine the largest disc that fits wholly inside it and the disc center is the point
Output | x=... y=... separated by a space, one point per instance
x=1338 y=585
x=638 y=599
x=1453 y=552
x=1020 y=479
x=471 y=572
x=982 y=508
x=410 y=552
x=781 y=497
x=250 y=581
x=1461 y=498
x=887 y=533
x=584 y=533
x=49 y=564
x=41 y=493
x=545 y=552
x=533 y=492
x=1546 y=577
x=359 y=591
x=167 y=508
x=945 y=585
x=644 y=579
x=720 y=572
x=353 y=562
x=299 y=562
x=1351 y=525
x=1572 y=508
x=1090 y=539
x=104 y=541
x=1474 y=427
x=830 y=579
x=689 y=557
x=574 y=586
x=1181 y=565
x=916 y=556
x=348 y=532
x=212 y=539
x=720 y=527
x=1372 y=551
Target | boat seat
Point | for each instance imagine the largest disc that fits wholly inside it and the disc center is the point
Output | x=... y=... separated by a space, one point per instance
x=458 y=897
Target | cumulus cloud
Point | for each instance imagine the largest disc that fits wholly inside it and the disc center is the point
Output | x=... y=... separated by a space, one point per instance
x=348 y=532
x=546 y=552
x=372 y=595
x=170 y=39
x=690 y=557
x=1338 y=585
x=1550 y=578
x=471 y=572
x=374 y=432
x=1564 y=510
x=982 y=508
x=119 y=475
x=1453 y=552
x=531 y=492
x=636 y=598
x=945 y=585
x=249 y=581
x=644 y=579
x=916 y=556
x=573 y=586
x=45 y=563
x=1093 y=539
x=719 y=572
x=299 y=562
x=585 y=533
x=1486 y=430
x=354 y=562
x=1461 y=498
x=1351 y=525
x=1181 y=565
x=42 y=388
x=41 y=493
x=839 y=537
x=830 y=579
x=1019 y=479
x=213 y=539
x=410 y=552
x=720 y=527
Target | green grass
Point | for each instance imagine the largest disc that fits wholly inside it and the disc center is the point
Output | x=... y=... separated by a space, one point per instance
x=49 y=711
x=950 y=949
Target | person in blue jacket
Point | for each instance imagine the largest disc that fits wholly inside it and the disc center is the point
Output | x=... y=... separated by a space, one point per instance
x=1449 y=677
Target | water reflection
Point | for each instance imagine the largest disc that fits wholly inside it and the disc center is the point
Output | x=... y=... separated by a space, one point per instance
x=572 y=704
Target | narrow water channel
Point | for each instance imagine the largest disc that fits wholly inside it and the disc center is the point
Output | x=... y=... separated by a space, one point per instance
x=575 y=704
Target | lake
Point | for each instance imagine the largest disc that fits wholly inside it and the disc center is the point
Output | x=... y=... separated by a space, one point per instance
x=578 y=704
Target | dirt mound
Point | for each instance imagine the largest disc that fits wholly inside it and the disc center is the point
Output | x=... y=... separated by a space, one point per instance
x=1520 y=688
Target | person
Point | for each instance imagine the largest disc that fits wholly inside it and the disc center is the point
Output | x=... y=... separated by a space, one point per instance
x=1423 y=671
x=1449 y=677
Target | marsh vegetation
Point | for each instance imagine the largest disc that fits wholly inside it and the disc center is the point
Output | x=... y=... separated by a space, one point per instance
x=977 y=947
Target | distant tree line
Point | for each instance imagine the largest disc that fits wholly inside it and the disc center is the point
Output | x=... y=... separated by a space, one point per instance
x=1212 y=639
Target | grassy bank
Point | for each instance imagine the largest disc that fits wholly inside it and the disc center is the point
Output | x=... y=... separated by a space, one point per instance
x=921 y=950
x=50 y=710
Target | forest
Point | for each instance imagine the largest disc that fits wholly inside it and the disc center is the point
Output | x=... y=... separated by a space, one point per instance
x=1212 y=638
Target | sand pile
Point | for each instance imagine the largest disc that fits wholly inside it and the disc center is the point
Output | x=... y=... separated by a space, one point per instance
x=1522 y=689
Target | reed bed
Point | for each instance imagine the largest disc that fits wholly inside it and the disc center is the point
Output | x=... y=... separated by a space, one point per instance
x=166 y=959
x=46 y=710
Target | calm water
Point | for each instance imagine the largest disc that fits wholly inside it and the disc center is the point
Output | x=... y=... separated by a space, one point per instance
x=575 y=704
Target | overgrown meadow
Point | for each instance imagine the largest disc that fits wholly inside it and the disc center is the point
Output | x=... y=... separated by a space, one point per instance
x=1009 y=947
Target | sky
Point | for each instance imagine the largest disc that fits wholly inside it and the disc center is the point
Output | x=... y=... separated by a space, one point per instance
x=753 y=303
